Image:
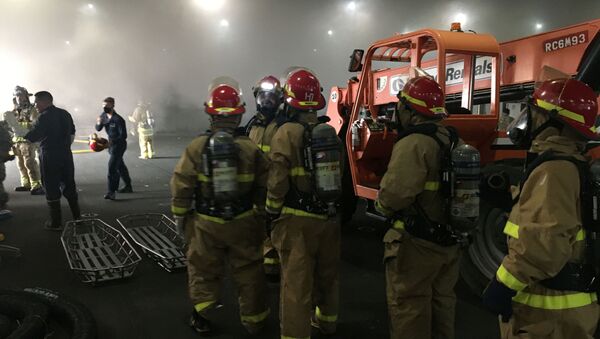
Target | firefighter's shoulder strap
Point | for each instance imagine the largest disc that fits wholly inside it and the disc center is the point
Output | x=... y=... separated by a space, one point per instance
x=431 y=130
x=582 y=168
x=254 y=121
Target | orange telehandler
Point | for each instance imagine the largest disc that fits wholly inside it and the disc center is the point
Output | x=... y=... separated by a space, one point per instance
x=485 y=83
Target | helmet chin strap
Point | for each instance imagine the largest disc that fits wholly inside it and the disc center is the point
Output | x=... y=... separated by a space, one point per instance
x=550 y=123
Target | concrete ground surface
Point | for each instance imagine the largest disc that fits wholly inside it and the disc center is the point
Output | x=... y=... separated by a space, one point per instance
x=153 y=303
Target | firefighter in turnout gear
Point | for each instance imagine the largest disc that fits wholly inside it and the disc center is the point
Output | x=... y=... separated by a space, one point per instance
x=224 y=175
x=305 y=227
x=21 y=121
x=268 y=95
x=543 y=288
x=145 y=129
x=421 y=259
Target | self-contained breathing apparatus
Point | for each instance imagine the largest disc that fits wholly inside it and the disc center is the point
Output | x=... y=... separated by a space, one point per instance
x=322 y=155
x=459 y=186
x=218 y=194
x=581 y=277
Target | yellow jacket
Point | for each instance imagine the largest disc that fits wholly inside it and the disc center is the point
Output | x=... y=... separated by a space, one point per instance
x=413 y=174
x=262 y=135
x=188 y=179
x=545 y=230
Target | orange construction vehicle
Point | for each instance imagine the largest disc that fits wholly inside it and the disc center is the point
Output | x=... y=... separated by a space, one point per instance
x=485 y=81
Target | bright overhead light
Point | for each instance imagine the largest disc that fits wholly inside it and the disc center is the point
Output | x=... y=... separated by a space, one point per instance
x=224 y=23
x=210 y=5
x=538 y=26
x=460 y=17
x=351 y=6
x=329 y=32
x=67 y=42
x=91 y=6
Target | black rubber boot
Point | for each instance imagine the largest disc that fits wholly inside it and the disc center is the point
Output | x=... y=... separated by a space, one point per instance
x=55 y=222
x=74 y=206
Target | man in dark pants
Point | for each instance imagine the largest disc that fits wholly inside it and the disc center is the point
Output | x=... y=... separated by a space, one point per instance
x=116 y=130
x=55 y=132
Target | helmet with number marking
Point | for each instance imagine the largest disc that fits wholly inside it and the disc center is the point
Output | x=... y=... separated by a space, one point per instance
x=302 y=90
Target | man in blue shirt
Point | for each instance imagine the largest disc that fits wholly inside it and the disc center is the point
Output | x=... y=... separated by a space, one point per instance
x=55 y=131
x=116 y=130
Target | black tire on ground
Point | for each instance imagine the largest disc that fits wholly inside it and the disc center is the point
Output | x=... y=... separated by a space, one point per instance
x=487 y=250
x=485 y=254
x=68 y=313
x=31 y=315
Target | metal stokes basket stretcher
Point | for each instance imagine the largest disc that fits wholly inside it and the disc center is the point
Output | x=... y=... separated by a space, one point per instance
x=157 y=236
x=98 y=252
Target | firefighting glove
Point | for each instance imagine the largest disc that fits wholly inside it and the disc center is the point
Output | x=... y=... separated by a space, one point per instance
x=498 y=299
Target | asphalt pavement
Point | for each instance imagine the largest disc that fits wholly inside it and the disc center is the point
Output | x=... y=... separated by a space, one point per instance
x=153 y=303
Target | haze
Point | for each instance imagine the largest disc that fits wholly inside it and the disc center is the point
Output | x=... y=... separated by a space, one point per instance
x=167 y=51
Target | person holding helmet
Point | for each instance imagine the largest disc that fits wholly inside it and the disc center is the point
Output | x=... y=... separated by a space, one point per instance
x=543 y=288
x=23 y=117
x=304 y=221
x=116 y=130
x=224 y=174
x=261 y=128
x=421 y=262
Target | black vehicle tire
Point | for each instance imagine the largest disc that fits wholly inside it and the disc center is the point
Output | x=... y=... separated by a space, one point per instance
x=489 y=246
x=31 y=315
x=68 y=313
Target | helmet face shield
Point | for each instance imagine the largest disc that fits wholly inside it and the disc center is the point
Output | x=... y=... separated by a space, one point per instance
x=268 y=103
x=519 y=131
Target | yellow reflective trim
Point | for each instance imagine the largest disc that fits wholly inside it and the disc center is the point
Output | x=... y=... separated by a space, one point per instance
x=223 y=221
x=257 y=317
x=511 y=230
x=382 y=209
x=289 y=92
x=555 y=302
x=323 y=317
x=580 y=235
x=271 y=261
x=593 y=129
x=202 y=306
x=432 y=185
x=308 y=103
x=438 y=109
x=245 y=177
x=297 y=171
x=505 y=277
x=286 y=337
x=225 y=109
x=413 y=100
x=301 y=213
x=274 y=204
x=265 y=148
x=398 y=224
x=561 y=111
x=179 y=210
x=203 y=178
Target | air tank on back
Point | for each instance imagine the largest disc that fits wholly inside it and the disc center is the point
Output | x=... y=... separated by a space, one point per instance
x=327 y=158
x=223 y=161
x=464 y=203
